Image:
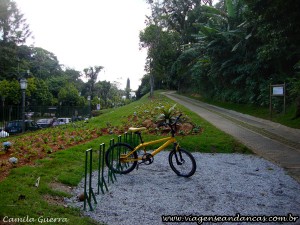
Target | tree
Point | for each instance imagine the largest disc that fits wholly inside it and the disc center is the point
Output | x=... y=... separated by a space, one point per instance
x=13 y=31
x=92 y=74
x=44 y=64
x=277 y=30
x=41 y=94
x=10 y=89
x=175 y=15
x=169 y=30
x=127 y=89
x=144 y=88
x=13 y=93
x=230 y=52
x=69 y=95
x=4 y=89
x=163 y=49
x=222 y=40
x=295 y=92
x=72 y=74
x=13 y=26
x=8 y=61
x=114 y=95
x=102 y=89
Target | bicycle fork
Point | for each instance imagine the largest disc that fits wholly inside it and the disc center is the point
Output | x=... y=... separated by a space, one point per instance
x=177 y=152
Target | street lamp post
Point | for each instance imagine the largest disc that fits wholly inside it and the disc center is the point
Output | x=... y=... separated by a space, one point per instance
x=60 y=103
x=89 y=99
x=23 y=85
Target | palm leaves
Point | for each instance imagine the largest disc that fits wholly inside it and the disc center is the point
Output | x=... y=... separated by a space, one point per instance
x=167 y=113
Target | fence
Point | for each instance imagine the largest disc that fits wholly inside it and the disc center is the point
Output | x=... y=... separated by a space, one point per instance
x=105 y=175
x=14 y=112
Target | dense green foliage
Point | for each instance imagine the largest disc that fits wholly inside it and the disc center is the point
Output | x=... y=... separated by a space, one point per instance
x=50 y=83
x=231 y=52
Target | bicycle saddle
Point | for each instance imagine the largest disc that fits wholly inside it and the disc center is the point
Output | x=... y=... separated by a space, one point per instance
x=135 y=129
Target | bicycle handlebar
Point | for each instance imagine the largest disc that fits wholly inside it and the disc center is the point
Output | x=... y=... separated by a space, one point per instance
x=176 y=120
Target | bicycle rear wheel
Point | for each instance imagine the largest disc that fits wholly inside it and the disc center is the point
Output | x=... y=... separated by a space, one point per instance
x=182 y=162
x=113 y=162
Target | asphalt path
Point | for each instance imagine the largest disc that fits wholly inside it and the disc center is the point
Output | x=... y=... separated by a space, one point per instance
x=274 y=142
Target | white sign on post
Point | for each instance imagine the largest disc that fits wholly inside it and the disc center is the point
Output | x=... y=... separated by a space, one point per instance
x=278 y=91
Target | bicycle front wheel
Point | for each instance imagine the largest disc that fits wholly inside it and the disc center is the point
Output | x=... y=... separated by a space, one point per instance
x=115 y=163
x=182 y=162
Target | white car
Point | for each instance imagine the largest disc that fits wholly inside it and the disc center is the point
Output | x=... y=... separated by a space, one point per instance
x=48 y=122
x=60 y=121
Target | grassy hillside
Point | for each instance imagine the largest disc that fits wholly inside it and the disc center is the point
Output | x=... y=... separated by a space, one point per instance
x=65 y=166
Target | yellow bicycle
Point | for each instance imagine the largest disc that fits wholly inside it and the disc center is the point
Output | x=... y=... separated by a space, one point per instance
x=123 y=158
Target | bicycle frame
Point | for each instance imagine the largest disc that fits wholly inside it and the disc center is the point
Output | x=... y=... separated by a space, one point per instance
x=168 y=141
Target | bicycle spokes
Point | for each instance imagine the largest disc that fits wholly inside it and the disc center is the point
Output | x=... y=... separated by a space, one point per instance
x=116 y=158
x=182 y=162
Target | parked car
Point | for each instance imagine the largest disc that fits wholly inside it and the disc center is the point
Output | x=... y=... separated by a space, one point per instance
x=48 y=122
x=77 y=118
x=15 y=126
x=60 y=121
x=3 y=134
x=28 y=115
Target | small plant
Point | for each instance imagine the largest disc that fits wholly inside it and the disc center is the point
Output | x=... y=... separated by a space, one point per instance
x=63 y=137
x=54 y=139
x=196 y=129
x=181 y=132
x=38 y=144
x=6 y=146
x=99 y=133
x=45 y=139
x=167 y=113
x=47 y=149
x=78 y=139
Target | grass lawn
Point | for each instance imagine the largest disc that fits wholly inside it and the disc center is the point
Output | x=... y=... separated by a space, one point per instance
x=21 y=199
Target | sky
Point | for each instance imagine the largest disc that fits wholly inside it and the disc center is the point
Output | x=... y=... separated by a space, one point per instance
x=84 y=33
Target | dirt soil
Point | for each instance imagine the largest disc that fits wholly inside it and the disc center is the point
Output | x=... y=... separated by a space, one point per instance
x=28 y=148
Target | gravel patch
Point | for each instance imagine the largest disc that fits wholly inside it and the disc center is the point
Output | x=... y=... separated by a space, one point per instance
x=224 y=184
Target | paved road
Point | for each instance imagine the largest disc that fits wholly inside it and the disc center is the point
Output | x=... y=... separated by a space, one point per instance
x=274 y=142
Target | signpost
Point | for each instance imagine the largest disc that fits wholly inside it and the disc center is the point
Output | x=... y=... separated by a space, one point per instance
x=277 y=90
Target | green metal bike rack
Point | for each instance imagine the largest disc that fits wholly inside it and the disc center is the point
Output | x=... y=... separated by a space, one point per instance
x=89 y=194
x=131 y=139
x=111 y=175
x=101 y=166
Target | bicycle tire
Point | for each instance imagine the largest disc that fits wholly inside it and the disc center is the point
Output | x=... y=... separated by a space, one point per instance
x=112 y=158
x=182 y=163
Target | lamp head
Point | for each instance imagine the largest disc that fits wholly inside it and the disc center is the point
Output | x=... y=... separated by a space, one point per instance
x=23 y=84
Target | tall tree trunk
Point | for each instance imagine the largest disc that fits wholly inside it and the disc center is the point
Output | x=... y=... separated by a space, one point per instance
x=151 y=85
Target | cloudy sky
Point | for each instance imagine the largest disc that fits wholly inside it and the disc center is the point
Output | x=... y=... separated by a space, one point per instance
x=83 y=33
